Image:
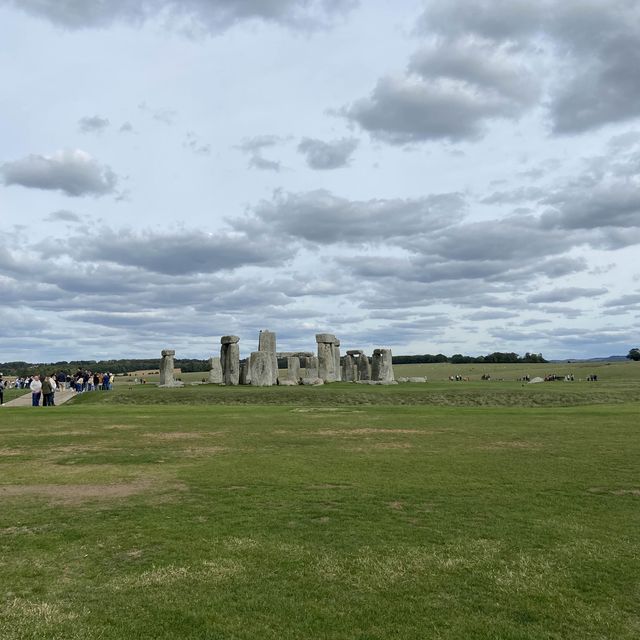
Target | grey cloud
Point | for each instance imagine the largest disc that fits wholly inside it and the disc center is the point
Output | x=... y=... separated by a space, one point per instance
x=193 y=143
x=323 y=218
x=190 y=16
x=63 y=215
x=258 y=162
x=93 y=124
x=327 y=155
x=566 y=294
x=520 y=194
x=491 y=315
x=401 y=110
x=254 y=147
x=595 y=49
x=629 y=300
x=178 y=253
x=606 y=205
x=126 y=127
x=255 y=144
x=74 y=172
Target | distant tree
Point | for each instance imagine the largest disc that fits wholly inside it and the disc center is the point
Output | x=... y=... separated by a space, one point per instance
x=634 y=354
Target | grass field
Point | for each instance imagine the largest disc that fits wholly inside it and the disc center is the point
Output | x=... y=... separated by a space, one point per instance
x=439 y=510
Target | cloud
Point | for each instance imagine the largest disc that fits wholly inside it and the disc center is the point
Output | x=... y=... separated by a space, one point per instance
x=93 y=124
x=64 y=216
x=254 y=146
x=593 y=49
x=327 y=155
x=179 y=253
x=190 y=16
x=485 y=60
x=74 y=172
x=323 y=218
x=258 y=162
x=193 y=143
x=566 y=294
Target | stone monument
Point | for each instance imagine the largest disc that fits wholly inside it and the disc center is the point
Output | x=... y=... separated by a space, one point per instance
x=267 y=342
x=230 y=360
x=215 y=371
x=382 y=366
x=328 y=357
x=166 y=370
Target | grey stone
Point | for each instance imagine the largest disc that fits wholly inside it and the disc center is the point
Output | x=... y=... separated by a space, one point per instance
x=267 y=342
x=245 y=377
x=354 y=352
x=364 y=367
x=312 y=381
x=261 y=369
x=293 y=369
x=230 y=360
x=288 y=383
x=215 y=371
x=311 y=367
x=229 y=340
x=328 y=357
x=381 y=366
x=417 y=379
x=349 y=369
x=166 y=370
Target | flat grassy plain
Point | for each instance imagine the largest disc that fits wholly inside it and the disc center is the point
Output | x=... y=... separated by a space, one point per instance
x=439 y=510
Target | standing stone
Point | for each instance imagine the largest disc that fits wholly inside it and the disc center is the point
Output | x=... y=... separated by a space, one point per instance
x=293 y=369
x=328 y=357
x=215 y=371
x=261 y=369
x=245 y=377
x=267 y=342
x=382 y=366
x=349 y=369
x=364 y=367
x=230 y=360
x=311 y=367
x=166 y=369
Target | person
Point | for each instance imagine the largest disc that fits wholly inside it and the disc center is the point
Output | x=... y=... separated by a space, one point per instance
x=1 y=391
x=36 y=391
x=47 y=392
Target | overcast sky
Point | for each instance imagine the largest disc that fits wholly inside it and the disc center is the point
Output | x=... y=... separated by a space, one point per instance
x=455 y=176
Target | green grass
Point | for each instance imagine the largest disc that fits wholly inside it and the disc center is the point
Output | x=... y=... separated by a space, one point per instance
x=445 y=510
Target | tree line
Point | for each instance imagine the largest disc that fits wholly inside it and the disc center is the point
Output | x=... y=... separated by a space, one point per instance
x=121 y=367
x=458 y=358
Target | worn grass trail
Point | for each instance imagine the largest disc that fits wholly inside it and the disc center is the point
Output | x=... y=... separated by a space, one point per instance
x=174 y=521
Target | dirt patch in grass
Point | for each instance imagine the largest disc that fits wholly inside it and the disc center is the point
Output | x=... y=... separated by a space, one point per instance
x=368 y=431
x=396 y=505
x=615 y=492
x=329 y=485
x=513 y=444
x=76 y=493
x=197 y=452
x=120 y=426
x=176 y=435
x=11 y=452
x=326 y=410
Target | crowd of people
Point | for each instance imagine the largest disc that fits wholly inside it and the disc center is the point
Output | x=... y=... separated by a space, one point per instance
x=44 y=389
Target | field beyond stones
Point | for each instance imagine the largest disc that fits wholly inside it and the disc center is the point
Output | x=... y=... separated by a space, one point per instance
x=461 y=510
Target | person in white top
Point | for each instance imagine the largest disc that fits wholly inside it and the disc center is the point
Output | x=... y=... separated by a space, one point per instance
x=36 y=391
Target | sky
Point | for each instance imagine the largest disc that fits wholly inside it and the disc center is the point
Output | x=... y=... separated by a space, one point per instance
x=437 y=176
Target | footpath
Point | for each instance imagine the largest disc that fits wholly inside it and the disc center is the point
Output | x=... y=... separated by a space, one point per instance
x=25 y=401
